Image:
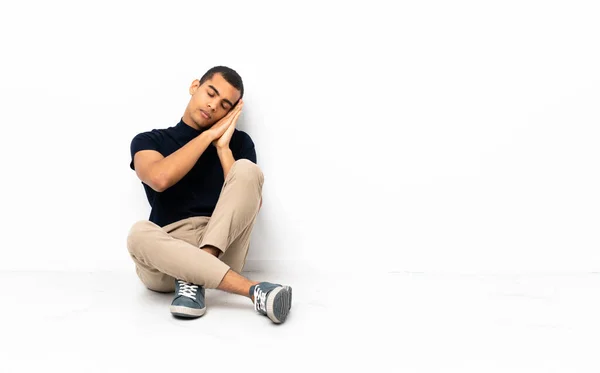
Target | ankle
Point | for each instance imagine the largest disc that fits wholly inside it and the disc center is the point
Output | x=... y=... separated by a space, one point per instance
x=212 y=250
x=251 y=290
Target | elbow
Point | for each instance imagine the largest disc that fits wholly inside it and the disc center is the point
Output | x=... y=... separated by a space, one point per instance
x=159 y=183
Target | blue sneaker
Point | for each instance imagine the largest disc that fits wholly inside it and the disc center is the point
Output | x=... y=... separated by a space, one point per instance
x=189 y=300
x=272 y=300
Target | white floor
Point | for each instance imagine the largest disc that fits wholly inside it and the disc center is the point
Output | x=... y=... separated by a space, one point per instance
x=400 y=322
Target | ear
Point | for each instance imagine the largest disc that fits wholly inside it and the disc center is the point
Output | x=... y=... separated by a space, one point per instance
x=194 y=86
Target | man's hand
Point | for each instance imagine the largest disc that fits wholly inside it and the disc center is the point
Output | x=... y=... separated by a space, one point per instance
x=218 y=129
x=226 y=127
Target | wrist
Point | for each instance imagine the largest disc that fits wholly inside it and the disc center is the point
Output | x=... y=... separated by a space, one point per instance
x=208 y=135
x=223 y=149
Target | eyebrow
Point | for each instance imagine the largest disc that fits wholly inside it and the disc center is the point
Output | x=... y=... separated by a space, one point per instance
x=218 y=94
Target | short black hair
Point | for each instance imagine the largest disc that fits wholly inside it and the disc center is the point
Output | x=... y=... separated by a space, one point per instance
x=230 y=75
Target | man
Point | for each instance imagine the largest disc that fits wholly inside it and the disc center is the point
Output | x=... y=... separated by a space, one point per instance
x=205 y=190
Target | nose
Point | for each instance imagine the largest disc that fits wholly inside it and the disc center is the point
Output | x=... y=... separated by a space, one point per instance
x=212 y=106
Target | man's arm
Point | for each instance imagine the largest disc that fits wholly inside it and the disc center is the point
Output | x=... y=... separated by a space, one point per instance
x=160 y=173
x=223 y=150
x=227 y=161
x=222 y=144
x=226 y=158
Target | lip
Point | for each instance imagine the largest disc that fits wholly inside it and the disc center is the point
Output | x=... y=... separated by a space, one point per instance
x=204 y=114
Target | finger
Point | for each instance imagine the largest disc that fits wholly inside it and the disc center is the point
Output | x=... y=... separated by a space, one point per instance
x=231 y=122
x=237 y=115
x=238 y=110
x=226 y=119
x=233 y=112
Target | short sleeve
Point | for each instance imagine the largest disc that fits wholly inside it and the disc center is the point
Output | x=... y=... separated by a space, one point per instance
x=144 y=141
x=246 y=146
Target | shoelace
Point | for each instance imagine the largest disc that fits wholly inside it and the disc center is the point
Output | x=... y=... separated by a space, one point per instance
x=260 y=299
x=187 y=289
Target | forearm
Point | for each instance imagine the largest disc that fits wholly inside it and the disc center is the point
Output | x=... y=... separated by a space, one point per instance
x=226 y=158
x=173 y=168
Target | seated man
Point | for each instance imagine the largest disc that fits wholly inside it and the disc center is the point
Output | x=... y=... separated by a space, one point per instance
x=204 y=188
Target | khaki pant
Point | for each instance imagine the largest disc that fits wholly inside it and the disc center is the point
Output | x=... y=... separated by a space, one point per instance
x=162 y=255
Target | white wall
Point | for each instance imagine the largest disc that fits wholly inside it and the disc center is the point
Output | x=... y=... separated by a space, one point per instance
x=423 y=136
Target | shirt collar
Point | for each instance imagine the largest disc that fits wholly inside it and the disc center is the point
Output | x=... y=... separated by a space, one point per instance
x=187 y=130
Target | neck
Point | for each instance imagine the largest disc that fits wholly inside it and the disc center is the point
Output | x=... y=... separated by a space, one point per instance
x=187 y=119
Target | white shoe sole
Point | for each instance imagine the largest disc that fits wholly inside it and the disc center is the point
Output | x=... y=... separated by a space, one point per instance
x=182 y=311
x=279 y=303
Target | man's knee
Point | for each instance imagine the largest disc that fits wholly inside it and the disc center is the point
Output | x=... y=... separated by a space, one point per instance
x=247 y=171
x=138 y=233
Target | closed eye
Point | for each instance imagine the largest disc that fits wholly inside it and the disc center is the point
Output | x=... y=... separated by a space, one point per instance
x=225 y=104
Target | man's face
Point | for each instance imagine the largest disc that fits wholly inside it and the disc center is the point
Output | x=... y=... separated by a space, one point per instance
x=210 y=101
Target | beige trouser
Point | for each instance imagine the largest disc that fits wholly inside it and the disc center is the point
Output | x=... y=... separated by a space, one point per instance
x=162 y=255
